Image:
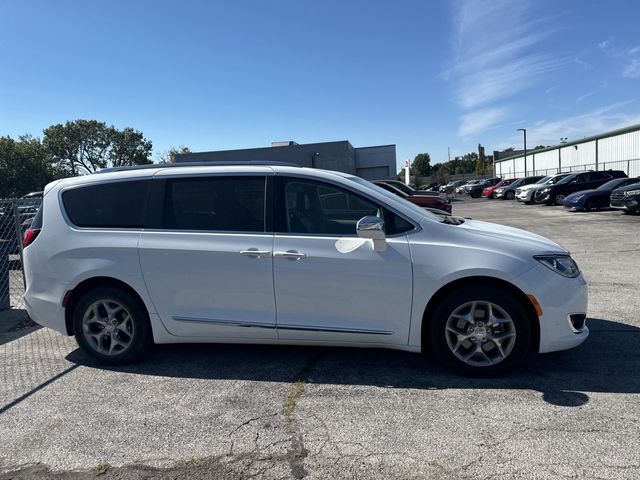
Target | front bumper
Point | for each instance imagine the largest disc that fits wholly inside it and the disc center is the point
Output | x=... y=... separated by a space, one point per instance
x=574 y=205
x=626 y=204
x=525 y=196
x=559 y=297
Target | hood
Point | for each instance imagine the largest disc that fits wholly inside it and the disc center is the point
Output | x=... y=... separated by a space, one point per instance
x=531 y=185
x=589 y=193
x=633 y=186
x=537 y=243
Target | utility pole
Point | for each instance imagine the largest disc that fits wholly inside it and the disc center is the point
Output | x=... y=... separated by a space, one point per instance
x=524 y=131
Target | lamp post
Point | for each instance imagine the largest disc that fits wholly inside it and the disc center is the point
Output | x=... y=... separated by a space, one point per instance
x=524 y=131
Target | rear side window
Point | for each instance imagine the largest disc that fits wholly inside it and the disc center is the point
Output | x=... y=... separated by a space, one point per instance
x=36 y=223
x=108 y=205
x=231 y=204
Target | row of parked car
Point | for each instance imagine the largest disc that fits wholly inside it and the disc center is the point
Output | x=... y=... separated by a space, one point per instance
x=580 y=191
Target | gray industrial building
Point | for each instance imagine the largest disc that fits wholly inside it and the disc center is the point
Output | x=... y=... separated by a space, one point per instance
x=371 y=163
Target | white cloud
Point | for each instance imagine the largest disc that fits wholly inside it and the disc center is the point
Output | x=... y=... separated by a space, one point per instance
x=604 y=45
x=631 y=58
x=632 y=69
x=491 y=65
x=584 y=97
x=579 y=126
x=582 y=63
x=480 y=120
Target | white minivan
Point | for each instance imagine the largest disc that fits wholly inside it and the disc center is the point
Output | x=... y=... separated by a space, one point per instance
x=278 y=254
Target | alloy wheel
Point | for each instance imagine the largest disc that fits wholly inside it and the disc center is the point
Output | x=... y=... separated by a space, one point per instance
x=108 y=327
x=480 y=333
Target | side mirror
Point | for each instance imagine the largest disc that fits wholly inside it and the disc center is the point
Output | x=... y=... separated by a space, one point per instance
x=372 y=228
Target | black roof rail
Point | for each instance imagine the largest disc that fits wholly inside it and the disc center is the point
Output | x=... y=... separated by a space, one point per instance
x=198 y=164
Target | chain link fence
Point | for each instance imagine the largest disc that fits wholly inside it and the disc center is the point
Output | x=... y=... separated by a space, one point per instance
x=16 y=215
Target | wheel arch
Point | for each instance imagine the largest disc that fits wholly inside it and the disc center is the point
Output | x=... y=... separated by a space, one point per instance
x=484 y=281
x=72 y=297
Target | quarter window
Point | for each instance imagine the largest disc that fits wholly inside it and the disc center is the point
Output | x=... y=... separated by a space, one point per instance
x=233 y=204
x=107 y=205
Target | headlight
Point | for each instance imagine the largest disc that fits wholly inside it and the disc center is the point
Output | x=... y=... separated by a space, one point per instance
x=545 y=190
x=579 y=197
x=631 y=193
x=562 y=264
x=499 y=190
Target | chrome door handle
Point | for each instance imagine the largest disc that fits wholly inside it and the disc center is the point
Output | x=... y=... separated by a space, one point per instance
x=254 y=252
x=292 y=254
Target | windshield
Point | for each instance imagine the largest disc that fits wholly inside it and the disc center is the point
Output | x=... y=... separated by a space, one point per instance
x=557 y=179
x=566 y=179
x=543 y=180
x=504 y=183
x=611 y=184
x=402 y=186
x=391 y=196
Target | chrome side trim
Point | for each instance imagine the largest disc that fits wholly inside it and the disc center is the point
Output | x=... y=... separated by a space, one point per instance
x=309 y=328
x=227 y=323
x=334 y=329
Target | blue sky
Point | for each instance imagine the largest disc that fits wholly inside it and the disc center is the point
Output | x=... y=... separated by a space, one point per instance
x=425 y=75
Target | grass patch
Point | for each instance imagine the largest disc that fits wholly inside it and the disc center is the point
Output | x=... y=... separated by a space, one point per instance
x=296 y=391
x=102 y=468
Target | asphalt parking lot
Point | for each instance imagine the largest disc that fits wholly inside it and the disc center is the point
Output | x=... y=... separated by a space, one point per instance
x=220 y=411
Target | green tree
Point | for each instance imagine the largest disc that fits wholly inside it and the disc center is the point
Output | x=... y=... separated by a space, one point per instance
x=84 y=146
x=421 y=165
x=170 y=155
x=25 y=166
x=128 y=147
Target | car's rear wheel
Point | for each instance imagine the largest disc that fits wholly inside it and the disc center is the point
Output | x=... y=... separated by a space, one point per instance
x=476 y=194
x=112 y=326
x=559 y=199
x=510 y=195
x=480 y=331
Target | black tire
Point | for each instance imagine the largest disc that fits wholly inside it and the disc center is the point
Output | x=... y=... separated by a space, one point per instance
x=590 y=206
x=449 y=304
x=558 y=199
x=509 y=195
x=142 y=338
x=476 y=194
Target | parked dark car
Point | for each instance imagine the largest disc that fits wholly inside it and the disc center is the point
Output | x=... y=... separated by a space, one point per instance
x=426 y=201
x=407 y=189
x=597 y=198
x=476 y=190
x=432 y=187
x=464 y=188
x=626 y=198
x=576 y=182
x=508 y=192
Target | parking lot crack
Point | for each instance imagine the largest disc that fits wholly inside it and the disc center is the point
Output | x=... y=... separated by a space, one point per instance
x=297 y=451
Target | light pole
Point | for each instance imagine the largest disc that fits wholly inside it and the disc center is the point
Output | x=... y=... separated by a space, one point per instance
x=524 y=131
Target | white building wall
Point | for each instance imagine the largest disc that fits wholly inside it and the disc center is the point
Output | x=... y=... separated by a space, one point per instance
x=546 y=163
x=619 y=152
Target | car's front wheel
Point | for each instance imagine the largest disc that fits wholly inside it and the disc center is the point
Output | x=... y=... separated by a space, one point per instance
x=480 y=331
x=559 y=199
x=112 y=326
x=510 y=195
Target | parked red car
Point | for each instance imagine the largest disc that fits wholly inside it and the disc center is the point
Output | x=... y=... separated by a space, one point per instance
x=427 y=201
x=488 y=192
